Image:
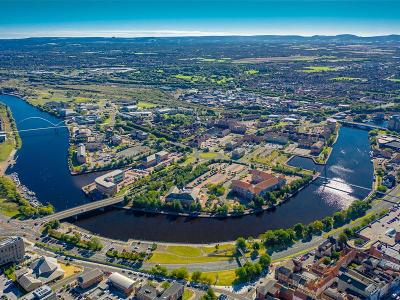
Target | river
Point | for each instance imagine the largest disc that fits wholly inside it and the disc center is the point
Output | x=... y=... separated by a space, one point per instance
x=42 y=167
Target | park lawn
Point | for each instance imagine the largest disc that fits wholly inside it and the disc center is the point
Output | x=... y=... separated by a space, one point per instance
x=145 y=105
x=224 y=247
x=221 y=278
x=8 y=208
x=317 y=69
x=184 y=251
x=169 y=258
x=5 y=149
x=208 y=155
x=187 y=294
x=190 y=254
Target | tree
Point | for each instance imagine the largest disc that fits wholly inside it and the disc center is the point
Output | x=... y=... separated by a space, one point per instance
x=318 y=226
x=265 y=260
x=196 y=276
x=210 y=295
x=241 y=243
x=342 y=239
x=180 y=273
x=256 y=246
x=339 y=218
x=299 y=230
x=328 y=223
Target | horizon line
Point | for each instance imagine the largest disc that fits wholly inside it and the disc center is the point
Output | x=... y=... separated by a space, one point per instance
x=198 y=34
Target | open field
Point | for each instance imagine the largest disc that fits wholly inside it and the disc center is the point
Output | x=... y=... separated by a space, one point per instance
x=70 y=270
x=190 y=254
x=221 y=278
x=317 y=69
x=8 y=208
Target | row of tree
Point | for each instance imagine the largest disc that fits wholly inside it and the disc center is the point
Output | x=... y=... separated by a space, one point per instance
x=9 y=191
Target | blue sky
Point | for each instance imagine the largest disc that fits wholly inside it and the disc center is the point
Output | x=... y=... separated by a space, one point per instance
x=26 y=18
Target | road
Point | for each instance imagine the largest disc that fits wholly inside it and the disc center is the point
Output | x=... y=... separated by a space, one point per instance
x=81 y=209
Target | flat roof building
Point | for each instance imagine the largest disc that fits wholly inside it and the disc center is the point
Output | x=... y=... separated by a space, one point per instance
x=122 y=283
x=12 y=250
x=89 y=278
x=108 y=183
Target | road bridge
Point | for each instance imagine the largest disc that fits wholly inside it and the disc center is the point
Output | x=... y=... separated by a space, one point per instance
x=85 y=208
x=361 y=125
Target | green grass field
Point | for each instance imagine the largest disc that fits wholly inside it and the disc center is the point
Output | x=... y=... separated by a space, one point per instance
x=190 y=254
x=208 y=155
x=9 y=209
x=317 y=69
x=221 y=278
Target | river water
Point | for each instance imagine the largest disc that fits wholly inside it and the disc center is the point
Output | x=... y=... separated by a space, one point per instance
x=42 y=167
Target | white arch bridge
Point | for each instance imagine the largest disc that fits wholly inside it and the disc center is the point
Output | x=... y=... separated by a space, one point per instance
x=53 y=125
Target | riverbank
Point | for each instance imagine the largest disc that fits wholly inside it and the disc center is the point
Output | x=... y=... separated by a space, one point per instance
x=12 y=142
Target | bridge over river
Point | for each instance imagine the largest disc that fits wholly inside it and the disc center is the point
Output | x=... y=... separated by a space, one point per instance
x=85 y=208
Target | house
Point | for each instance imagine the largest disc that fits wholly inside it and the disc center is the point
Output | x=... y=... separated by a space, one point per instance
x=258 y=185
x=185 y=196
x=89 y=278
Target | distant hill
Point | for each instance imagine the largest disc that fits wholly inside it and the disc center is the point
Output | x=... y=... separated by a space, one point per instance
x=343 y=38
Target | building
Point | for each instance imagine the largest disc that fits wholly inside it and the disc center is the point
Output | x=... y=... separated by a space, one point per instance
x=89 y=278
x=41 y=293
x=12 y=250
x=108 y=183
x=257 y=185
x=46 y=269
x=3 y=136
x=155 y=159
x=185 y=196
x=139 y=134
x=174 y=292
x=122 y=283
x=81 y=156
x=394 y=123
x=357 y=284
x=26 y=280
x=147 y=292
x=238 y=153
